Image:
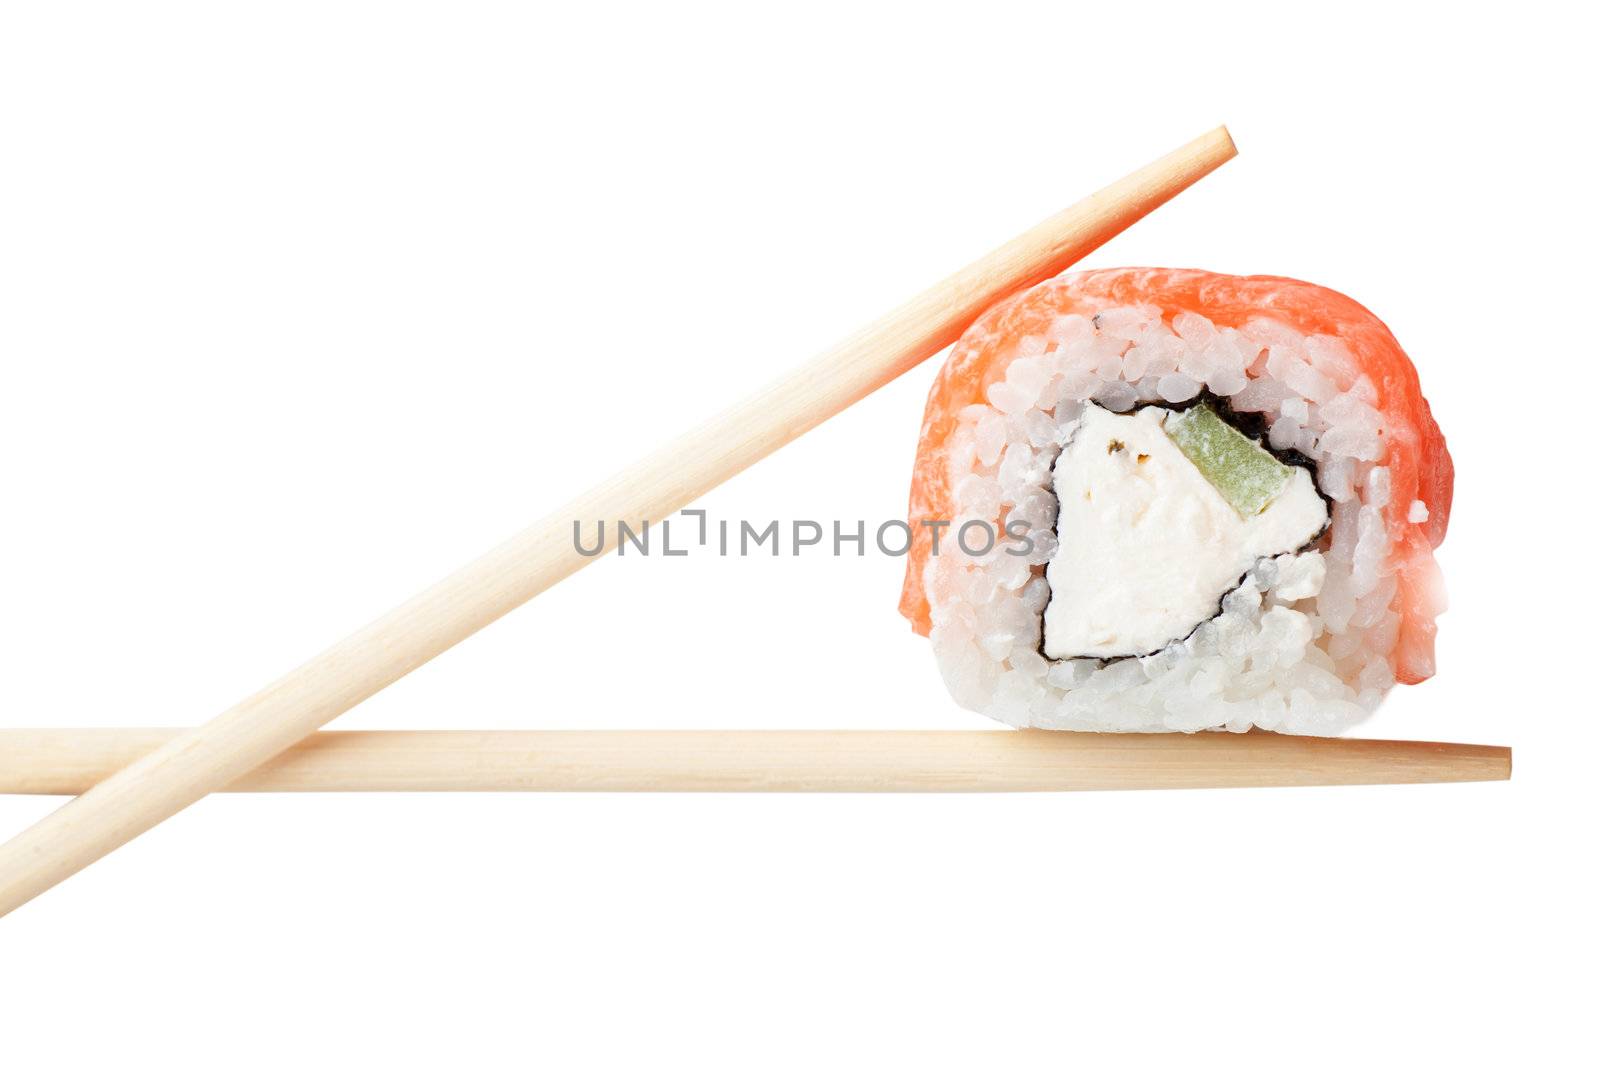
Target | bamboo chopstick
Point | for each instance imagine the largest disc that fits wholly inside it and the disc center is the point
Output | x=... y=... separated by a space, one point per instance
x=757 y=761
x=206 y=758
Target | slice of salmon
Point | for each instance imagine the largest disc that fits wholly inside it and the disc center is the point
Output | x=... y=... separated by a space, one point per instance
x=1419 y=463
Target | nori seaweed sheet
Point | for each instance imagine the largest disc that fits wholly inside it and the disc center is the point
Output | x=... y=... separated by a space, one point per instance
x=1253 y=424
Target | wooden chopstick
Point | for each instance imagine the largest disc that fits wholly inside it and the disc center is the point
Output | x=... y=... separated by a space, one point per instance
x=803 y=761
x=206 y=758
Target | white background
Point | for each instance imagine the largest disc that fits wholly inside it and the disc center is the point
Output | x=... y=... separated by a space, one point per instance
x=303 y=305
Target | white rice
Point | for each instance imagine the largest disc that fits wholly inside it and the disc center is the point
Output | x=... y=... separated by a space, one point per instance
x=1302 y=646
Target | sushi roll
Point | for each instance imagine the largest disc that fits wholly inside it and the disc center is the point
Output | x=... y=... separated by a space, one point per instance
x=1155 y=500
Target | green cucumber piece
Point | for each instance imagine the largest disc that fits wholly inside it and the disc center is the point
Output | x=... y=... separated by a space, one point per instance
x=1247 y=475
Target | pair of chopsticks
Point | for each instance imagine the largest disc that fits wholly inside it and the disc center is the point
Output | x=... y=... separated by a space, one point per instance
x=140 y=780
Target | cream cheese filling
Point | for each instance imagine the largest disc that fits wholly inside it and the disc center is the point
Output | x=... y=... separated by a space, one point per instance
x=1147 y=545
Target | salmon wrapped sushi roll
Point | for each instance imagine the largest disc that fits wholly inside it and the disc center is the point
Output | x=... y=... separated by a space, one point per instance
x=1153 y=500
